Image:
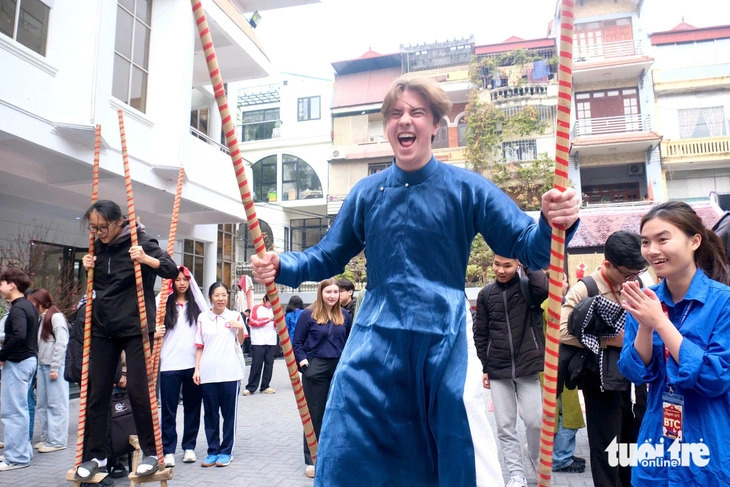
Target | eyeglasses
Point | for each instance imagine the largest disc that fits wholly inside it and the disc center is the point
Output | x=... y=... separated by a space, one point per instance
x=99 y=228
x=631 y=276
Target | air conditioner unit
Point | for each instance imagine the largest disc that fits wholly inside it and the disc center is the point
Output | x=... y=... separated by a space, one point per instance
x=636 y=169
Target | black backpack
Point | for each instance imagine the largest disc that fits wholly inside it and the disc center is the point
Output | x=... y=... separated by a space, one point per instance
x=579 y=366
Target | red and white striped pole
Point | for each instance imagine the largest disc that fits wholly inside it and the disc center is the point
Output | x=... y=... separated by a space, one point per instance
x=557 y=249
x=229 y=129
x=140 y=296
x=87 y=317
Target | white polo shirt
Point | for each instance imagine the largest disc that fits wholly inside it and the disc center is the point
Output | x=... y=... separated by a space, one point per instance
x=219 y=361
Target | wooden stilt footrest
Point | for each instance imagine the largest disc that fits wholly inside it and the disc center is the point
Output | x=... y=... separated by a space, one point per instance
x=71 y=477
x=161 y=476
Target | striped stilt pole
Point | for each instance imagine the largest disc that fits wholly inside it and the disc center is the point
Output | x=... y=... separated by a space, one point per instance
x=140 y=295
x=87 y=317
x=557 y=249
x=160 y=318
x=229 y=129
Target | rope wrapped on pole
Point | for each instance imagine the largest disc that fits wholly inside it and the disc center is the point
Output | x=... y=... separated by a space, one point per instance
x=86 y=353
x=161 y=308
x=229 y=129
x=140 y=294
x=557 y=250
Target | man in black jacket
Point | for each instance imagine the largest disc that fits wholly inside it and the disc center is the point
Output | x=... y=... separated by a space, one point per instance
x=18 y=359
x=508 y=335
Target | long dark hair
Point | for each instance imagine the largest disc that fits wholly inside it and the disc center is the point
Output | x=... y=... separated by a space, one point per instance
x=295 y=302
x=192 y=311
x=41 y=297
x=710 y=255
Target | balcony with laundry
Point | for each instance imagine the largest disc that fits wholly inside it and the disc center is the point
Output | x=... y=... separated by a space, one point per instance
x=517 y=70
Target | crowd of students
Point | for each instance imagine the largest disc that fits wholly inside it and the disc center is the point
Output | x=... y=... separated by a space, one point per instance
x=411 y=362
x=201 y=357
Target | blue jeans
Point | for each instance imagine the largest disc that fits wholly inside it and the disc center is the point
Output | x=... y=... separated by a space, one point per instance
x=31 y=407
x=14 y=413
x=52 y=407
x=170 y=384
x=564 y=443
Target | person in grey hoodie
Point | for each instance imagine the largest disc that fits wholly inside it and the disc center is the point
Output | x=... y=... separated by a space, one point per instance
x=52 y=401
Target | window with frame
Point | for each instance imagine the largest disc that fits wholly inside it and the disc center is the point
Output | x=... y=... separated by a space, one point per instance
x=376 y=167
x=308 y=108
x=441 y=140
x=307 y=232
x=131 y=52
x=26 y=22
x=461 y=127
x=259 y=124
x=194 y=257
x=701 y=122
x=199 y=120
x=226 y=259
x=298 y=181
x=519 y=151
x=264 y=179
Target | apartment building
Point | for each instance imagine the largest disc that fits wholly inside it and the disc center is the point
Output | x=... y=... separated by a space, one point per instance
x=691 y=80
x=614 y=148
x=68 y=66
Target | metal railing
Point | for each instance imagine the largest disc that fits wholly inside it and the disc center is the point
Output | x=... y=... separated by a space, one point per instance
x=527 y=90
x=612 y=125
x=699 y=148
x=603 y=50
x=204 y=137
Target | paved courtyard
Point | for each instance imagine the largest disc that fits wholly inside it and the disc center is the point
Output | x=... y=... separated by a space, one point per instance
x=268 y=451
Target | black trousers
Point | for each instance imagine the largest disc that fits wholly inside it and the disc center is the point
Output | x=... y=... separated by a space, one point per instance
x=608 y=416
x=105 y=354
x=316 y=381
x=261 y=356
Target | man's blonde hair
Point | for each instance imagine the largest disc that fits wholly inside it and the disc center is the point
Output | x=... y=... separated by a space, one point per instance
x=428 y=88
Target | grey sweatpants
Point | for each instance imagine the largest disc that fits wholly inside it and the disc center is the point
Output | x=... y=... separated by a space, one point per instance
x=525 y=394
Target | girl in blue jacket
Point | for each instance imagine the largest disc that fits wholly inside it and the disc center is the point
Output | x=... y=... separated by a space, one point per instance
x=677 y=339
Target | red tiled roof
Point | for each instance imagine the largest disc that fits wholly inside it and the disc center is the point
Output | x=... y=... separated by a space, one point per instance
x=687 y=33
x=363 y=88
x=596 y=224
x=514 y=43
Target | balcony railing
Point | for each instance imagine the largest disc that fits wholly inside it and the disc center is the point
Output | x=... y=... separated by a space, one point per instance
x=204 y=137
x=612 y=125
x=606 y=50
x=697 y=149
x=528 y=90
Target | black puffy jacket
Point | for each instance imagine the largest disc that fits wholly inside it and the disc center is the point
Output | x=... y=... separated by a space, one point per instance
x=115 y=312
x=508 y=335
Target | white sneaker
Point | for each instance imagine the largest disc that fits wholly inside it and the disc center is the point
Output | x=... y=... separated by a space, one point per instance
x=189 y=457
x=517 y=482
x=39 y=445
x=12 y=466
x=169 y=460
x=309 y=471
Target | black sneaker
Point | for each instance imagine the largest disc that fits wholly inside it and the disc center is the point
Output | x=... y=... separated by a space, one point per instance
x=574 y=467
x=579 y=459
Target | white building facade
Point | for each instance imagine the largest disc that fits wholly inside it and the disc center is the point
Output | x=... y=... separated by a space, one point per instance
x=68 y=66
